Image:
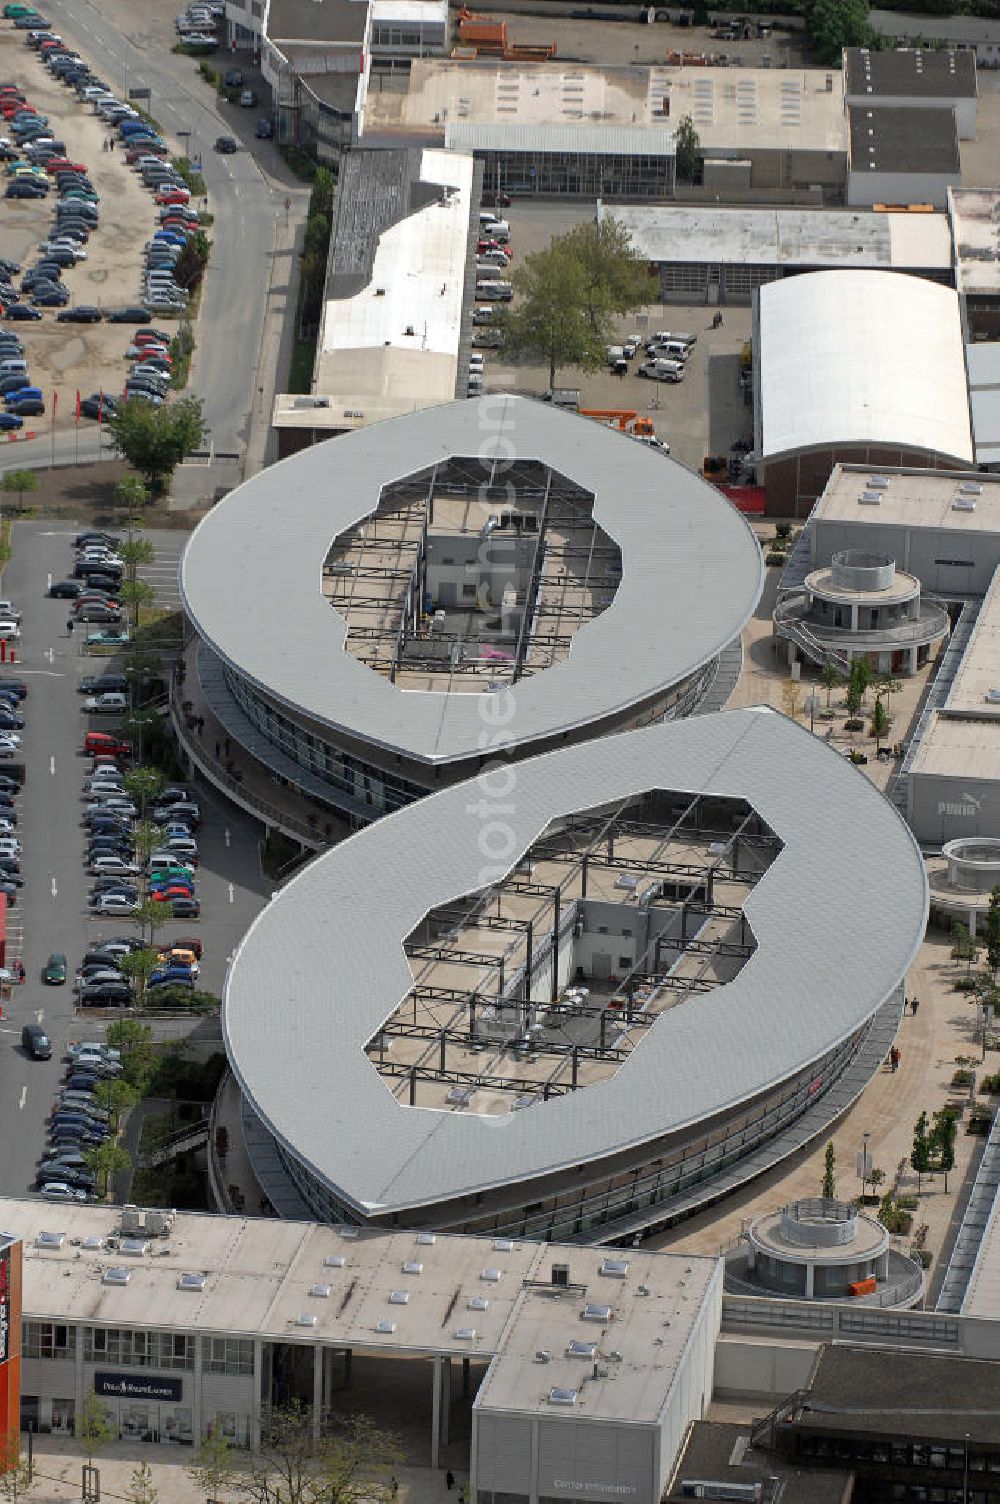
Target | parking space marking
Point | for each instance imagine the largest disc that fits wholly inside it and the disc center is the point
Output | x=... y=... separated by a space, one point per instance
x=24 y=1098
x=52 y=767
x=39 y=1015
x=232 y=895
x=48 y=582
x=55 y=890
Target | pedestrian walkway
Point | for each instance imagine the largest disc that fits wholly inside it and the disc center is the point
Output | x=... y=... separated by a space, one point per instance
x=929 y=1045
x=58 y=1462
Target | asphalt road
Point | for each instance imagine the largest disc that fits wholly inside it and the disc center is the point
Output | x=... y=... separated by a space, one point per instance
x=243 y=202
x=51 y=913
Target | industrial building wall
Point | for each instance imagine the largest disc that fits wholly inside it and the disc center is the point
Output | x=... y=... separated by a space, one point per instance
x=868 y=188
x=794 y=482
x=692 y=1391
x=945 y=807
x=965 y=109
x=944 y=562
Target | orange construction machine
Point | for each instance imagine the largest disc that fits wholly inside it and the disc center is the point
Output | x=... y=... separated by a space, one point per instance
x=488 y=37
x=622 y=419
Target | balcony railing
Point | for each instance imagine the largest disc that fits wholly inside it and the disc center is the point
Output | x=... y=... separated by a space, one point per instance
x=791 y=612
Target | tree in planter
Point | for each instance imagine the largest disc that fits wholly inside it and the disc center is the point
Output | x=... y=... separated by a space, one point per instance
x=831 y=678
x=141 y=1488
x=943 y=1137
x=116 y=1097
x=879 y=723
x=131 y=495
x=151 y=916
x=790 y=698
x=861 y=677
x=213 y=1471
x=154 y=440
x=139 y=966
x=993 y=934
x=94 y=1429
x=290 y=1469
x=876 y=1178
x=920 y=1153
x=106 y=1160
x=963 y=948
x=135 y=1042
x=144 y=786
x=829 y=1188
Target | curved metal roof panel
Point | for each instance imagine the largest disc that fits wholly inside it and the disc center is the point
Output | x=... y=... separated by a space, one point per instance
x=862 y=357
x=837 y=917
x=251 y=576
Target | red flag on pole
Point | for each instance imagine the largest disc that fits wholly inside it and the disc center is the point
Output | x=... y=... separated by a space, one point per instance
x=78 y=404
x=55 y=405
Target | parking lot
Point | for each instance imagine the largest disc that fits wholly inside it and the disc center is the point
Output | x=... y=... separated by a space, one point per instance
x=64 y=358
x=681 y=414
x=52 y=912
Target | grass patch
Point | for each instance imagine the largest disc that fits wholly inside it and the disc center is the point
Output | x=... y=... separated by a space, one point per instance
x=208 y=73
x=181 y=350
x=301 y=368
x=300 y=163
x=194 y=180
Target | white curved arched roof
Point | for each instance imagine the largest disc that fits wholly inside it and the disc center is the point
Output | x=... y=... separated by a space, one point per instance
x=837 y=917
x=862 y=357
x=251 y=576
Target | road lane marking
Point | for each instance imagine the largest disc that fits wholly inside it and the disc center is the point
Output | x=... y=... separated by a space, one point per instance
x=51 y=655
x=55 y=890
x=48 y=582
x=24 y=1098
x=39 y=1015
x=232 y=895
x=52 y=767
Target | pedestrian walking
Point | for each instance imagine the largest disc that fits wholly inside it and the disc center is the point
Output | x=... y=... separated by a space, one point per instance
x=394 y=1486
x=69 y=627
x=449 y=1479
x=914 y=1005
x=112 y=146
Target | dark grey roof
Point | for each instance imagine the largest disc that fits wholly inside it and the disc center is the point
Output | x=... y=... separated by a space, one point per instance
x=691 y=576
x=887 y=138
x=376 y=190
x=913 y=72
x=323 y=966
x=317 y=20
x=710 y=1453
x=915 y=1395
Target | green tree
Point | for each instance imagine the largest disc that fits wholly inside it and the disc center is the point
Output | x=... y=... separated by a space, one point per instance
x=213 y=1471
x=617 y=278
x=20 y=481
x=879 y=722
x=116 y=1097
x=150 y=916
x=144 y=785
x=17 y=1479
x=139 y=966
x=94 y=1429
x=134 y=594
x=832 y=25
x=145 y=839
x=141 y=1488
x=943 y=1136
x=920 y=1153
x=831 y=678
x=131 y=495
x=688 y=148
x=155 y=440
x=106 y=1160
x=963 y=947
x=290 y=1468
x=571 y=295
x=876 y=1178
x=861 y=677
x=135 y=1041
x=829 y=1187
x=993 y=934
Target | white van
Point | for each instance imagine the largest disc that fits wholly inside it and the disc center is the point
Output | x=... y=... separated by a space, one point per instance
x=487 y=217
x=671 y=349
x=498 y=229
x=10 y=846
x=13 y=367
x=662 y=370
x=482 y=315
x=163 y=861
x=493 y=258
x=669 y=334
